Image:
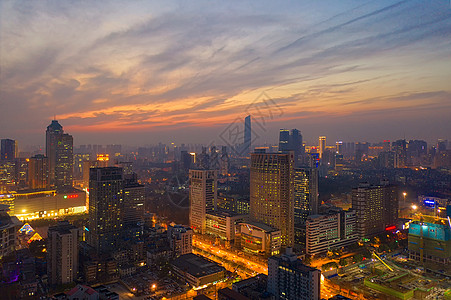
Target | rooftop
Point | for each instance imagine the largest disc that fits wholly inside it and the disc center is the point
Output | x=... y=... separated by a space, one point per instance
x=197 y=265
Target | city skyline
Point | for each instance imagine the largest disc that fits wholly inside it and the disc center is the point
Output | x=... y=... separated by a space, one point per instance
x=182 y=73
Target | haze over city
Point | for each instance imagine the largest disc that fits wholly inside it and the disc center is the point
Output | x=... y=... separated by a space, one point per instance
x=142 y=72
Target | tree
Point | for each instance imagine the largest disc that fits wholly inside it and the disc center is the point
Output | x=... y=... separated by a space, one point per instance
x=343 y=262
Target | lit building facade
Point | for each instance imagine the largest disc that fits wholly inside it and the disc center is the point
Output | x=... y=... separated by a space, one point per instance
x=429 y=242
x=272 y=192
x=322 y=146
x=9 y=227
x=59 y=150
x=376 y=208
x=203 y=197
x=38 y=172
x=105 y=208
x=330 y=231
x=257 y=238
x=305 y=194
x=289 y=278
x=8 y=150
x=223 y=224
x=62 y=253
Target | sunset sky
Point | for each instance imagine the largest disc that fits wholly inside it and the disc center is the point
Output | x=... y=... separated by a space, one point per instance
x=140 y=72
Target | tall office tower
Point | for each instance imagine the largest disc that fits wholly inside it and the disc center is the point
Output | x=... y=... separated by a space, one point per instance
x=400 y=148
x=290 y=279
x=376 y=208
x=442 y=145
x=272 y=192
x=59 y=150
x=52 y=135
x=339 y=147
x=203 y=197
x=305 y=194
x=322 y=146
x=204 y=159
x=214 y=159
x=284 y=140
x=134 y=198
x=105 y=226
x=64 y=167
x=291 y=142
x=247 y=136
x=9 y=150
x=38 y=172
x=62 y=253
x=225 y=161
x=386 y=146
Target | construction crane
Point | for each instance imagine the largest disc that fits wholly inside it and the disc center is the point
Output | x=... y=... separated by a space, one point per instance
x=377 y=256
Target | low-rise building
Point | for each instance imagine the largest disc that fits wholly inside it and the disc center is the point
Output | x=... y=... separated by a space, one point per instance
x=223 y=224
x=180 y=239
x=198 y=271
x=257 y=238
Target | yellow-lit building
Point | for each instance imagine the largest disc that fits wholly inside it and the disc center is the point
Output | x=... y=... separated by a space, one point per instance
x=272 y=192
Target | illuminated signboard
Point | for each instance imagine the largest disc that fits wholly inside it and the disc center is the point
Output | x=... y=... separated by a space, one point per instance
x=70 y=196
x=429 y=202
x=390 y=228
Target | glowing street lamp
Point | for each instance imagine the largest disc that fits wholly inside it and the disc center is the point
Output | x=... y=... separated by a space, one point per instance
x=404 y=194
x=414 y=207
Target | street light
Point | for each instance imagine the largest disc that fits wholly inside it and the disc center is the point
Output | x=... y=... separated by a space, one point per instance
x=414 y=207
x=404 y=194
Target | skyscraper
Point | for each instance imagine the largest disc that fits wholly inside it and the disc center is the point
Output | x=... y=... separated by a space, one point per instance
x=305 y=194
x=247 y=136
x=64 y=161
x=62 y=253
x=203 y=197
x=38 y=172
x=284 y=140
x=105 y=207
x=271 y=192
x=9 y=149
x=376 y=208
x=290 y=279
x=291 y=142
x=59 y=150
x=322 y=146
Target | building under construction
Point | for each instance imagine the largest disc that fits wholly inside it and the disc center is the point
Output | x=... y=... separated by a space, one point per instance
x=430 y=241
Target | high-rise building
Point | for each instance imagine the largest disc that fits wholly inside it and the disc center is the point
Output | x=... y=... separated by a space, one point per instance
x=9 y=150
x=62 y=253
x=272 y=192
x=376 y=208
x=59 y=150
x=203 y=197
x=430 y=242
x=134 y=198
x=38 y=172
x=105 y=224
x=247 y=136
x=9 y=227
x=284 y=140
x=290 y=279
x=335 y=229
x=291 y=142
x=64 y=167
x=305 y=194
x=322 y=146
